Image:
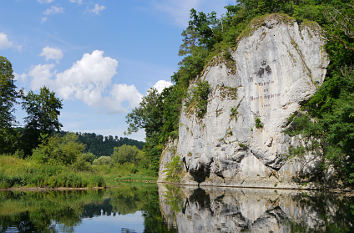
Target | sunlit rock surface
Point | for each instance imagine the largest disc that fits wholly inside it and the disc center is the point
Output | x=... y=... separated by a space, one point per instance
x=278 y=66
x=197 y=210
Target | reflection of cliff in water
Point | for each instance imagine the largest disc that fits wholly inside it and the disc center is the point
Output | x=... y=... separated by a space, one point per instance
x=209 y=210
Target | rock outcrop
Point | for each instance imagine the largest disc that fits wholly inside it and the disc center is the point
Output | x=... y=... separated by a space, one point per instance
x=240 y=139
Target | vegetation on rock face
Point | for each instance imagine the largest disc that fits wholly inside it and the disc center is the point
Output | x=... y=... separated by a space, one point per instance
x=197 y=99
x=174 y=169
x=329 y=112
x=258 y=123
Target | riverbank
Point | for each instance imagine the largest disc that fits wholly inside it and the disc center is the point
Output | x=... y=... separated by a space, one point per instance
x=29 y=174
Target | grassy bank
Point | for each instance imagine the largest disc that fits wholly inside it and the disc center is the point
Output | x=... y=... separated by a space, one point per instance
x=115 y=174
x=16 y=172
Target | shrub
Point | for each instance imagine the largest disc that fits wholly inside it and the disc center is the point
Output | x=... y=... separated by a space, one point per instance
x=127 y=153
x=56 y=150
x=103 y=160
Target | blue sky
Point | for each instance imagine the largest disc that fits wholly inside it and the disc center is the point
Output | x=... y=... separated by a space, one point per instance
x=99 y=56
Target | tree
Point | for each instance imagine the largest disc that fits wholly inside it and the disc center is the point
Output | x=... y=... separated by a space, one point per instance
x=43 y=112
x=127 y=153
x=59 y=150
x=8 y=96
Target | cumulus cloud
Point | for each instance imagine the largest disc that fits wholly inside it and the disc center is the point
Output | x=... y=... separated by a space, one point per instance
x=162 y=84
x=45 y=1
x=88 y=77
x=87 y=80
x=41 y=75
x=122 y=98
x=51 y=54
x=97 y=9
x=5 y=43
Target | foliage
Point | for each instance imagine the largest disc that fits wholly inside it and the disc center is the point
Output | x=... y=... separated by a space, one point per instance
x=258 y=123
x=328 y=112
x=56 y=150
x=103 y=145
x=43 y=117
x=129 y=154
x=15 y=172
x=197 y=98
x=174 y=169
x=233 y=113
x=103 y=160
x=8 y=96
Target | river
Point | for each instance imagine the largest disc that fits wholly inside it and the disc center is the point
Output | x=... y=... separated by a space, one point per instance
x=166 y=208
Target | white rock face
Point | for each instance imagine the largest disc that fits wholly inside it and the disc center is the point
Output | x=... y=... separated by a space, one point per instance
x=278 y=66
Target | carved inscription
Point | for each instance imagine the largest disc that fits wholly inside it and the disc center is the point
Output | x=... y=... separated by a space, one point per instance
x=264 y=85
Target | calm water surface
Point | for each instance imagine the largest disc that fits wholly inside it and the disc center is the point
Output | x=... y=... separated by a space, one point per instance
x=151 y=208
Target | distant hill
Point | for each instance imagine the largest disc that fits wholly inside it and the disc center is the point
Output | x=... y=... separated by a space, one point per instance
x=103 y=145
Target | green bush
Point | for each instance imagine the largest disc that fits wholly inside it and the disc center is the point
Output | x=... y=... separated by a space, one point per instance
x=57 y=150
x=103 y=160
x=126 y=153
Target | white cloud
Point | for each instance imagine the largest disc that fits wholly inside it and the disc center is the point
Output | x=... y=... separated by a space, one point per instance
x=41 y=75
x=97 y=9
x=4 y=41
x=53 y=10
x=123 y=93
x=162 y=84
x=76 y=1
x=87 y=80
x=20 y=77
x=51 y=54
x=45 y=1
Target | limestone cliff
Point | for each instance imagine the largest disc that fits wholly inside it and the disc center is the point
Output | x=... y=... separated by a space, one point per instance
x=240 y=141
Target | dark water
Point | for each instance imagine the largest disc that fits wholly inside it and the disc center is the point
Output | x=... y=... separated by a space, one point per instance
x=149 y=208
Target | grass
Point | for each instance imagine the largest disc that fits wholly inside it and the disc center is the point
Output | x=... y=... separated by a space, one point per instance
x=28 y=173
x=15 y=172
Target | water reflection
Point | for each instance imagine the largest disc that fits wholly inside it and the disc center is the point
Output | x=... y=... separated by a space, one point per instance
x=129 y=208
x=251 y=210
x=148 y=208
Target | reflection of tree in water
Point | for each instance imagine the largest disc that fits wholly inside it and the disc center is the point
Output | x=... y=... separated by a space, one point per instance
x=97 y=209
x=48 y=211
